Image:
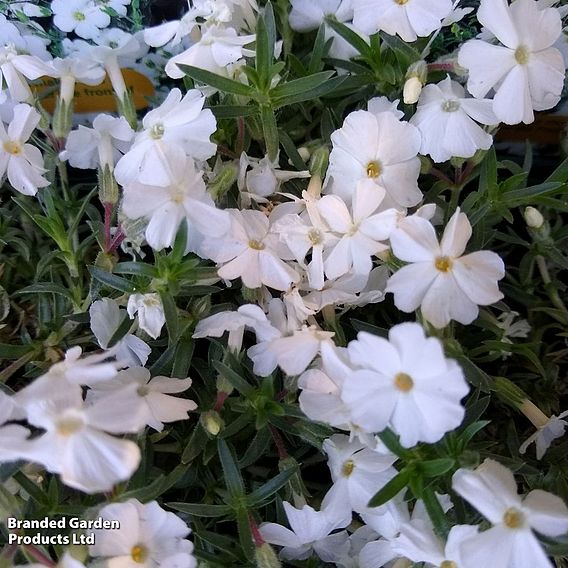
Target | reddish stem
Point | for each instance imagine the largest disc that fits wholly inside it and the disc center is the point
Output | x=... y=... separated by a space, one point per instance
x=441 y=175
x=240 y=135
x=257 y=537
x=116 y=242
x=38 y=555
x=441 y=66
x=279 y=443
x=220 y=401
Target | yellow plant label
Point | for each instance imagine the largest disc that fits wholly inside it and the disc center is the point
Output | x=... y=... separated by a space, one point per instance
x=97 y=98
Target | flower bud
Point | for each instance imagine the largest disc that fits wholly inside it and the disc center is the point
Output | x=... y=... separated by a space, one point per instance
x=265 y=557
x=223 y=181
x=319 y=161
x=533 y=218
x=304 y=153
x=412 y=90
x=212 y=422
x=108 y=188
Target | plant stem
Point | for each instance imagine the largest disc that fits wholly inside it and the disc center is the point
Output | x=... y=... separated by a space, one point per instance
x=550 y=287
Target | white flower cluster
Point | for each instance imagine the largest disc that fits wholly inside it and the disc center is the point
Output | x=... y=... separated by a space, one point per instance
x=79 y=439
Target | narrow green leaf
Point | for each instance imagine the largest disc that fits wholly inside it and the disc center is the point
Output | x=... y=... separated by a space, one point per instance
x=302 y=85
x=264 y=50
x=436 y=513
x=216 y=81
x=351 y=37
x=136 y=269
x=234 y=378
x=436 y=467
x=291 y=151
x=111 y=280
x=391 y=489
x=327 y=88
x=260 y=495
x=270 y=131
x=245 y=533
x=171 y=314
x=233 y=111
x=232 y=473
x=46 y=288
x=201 y=509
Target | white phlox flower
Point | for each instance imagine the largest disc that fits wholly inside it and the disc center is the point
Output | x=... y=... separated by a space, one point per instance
x=113 y=46
x=263 y=179
x=148 y=537
x=418 y=543
x=178 y=127
x=106 y=318
x=184 y=199
x=418 y=388
x=83 y=17
x=348 y=556
x=307 y=234
x=310 y=531
x=20 y=161
x=119 y=6
x=16 y=69
x=410 y=19
x=248 y=316
x=135 y=389
x=379 y=148
x=99 y=146
x=510 y=542
x=77 y=442
x=217 y=48
x=308 y=16
x=251 y=252
x=447 y=121
x=150 y=312
x=360 y=231
x=357 y=472
x=172 y=32
x=544 y=436
x=71 y=69
x=525 y=71
x=445 y=283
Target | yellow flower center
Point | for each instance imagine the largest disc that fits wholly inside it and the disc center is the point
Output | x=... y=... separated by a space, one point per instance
x=143 y=391
x=450 y=106
x=443 y=263
x=315 y=236
x=522 y=55
x=157 y=131
x=513 y=518
x=69 y=425
x=403 y=382
x=401 y=2
x=79 y=16
x=139 y=553
x=256 y=245
x=448 y=564
x=374 y=169
x=12 y=147
x=347 y=468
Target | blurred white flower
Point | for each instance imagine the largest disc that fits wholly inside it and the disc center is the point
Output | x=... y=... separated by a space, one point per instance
x=405 y=382
x=310 y=531
x=13 y=443
x=15 y=70
x=492 y=490
x=148 y=537
x=447 y=121
x=418 y=543
x=217 y=48
x=248 y=316
x=544 y=436
x=71 y=69
x=524 y=70
x=178 y=127
x=409 y=19
x=99 y=146
x=380 y=148
x=77 y=443
x=357 y=472
x=150 y=312
x=148 y=398
x=22 y=162
x=184 y=199
x=106 y=319
x=446 y=284
x=83 y=17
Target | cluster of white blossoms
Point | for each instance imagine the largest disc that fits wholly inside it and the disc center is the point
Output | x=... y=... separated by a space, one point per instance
x=355 y=236
x=79 y=429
